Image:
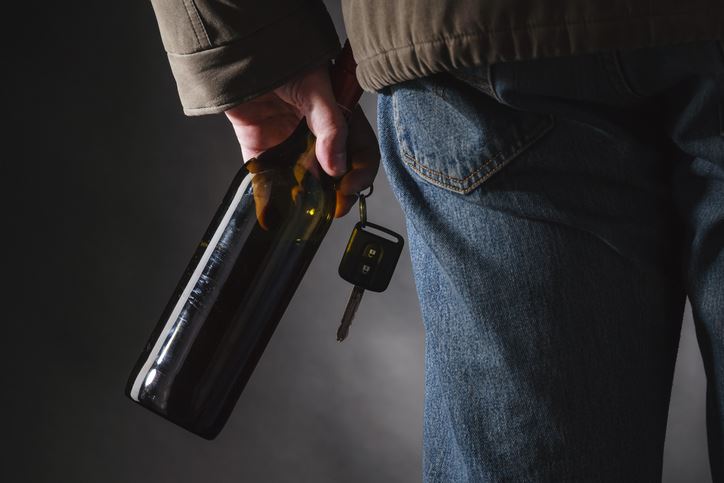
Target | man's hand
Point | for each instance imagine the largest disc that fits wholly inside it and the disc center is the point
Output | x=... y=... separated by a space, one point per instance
x=269 y=119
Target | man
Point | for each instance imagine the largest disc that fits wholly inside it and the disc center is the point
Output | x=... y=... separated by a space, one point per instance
x=561 y=169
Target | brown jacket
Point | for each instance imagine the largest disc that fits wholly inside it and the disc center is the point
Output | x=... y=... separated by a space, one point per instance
x=224 y=52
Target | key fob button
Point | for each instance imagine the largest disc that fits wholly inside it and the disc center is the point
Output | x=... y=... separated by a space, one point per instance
x=371 y=251
x=371 y=258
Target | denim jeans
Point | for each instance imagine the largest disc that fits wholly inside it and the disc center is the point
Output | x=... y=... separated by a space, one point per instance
x=559 y=211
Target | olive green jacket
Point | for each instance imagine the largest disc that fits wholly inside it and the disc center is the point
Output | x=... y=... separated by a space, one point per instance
x=224 y=52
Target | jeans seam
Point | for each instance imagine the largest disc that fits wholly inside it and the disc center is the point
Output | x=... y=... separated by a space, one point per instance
x=497 y=164
x=407 y=152
x=396 y=120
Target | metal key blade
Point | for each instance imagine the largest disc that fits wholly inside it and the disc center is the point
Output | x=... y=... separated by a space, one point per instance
x=352 y=305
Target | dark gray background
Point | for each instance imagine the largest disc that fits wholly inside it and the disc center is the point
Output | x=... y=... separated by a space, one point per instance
x=108 y=188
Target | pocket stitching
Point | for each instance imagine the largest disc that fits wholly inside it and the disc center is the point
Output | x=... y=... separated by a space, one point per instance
x=420 y=168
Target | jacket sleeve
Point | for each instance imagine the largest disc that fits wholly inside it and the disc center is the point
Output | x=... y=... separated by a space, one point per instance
x=225 y=52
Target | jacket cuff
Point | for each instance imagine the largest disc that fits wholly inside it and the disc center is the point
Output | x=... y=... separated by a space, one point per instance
x=219 y=78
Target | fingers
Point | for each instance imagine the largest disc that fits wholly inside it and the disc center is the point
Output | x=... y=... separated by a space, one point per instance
x=267 y=120
x=344 y=204
x=262 y=123
x=262 y=195
x=312 y=95
x=364 y=155
x=247 y=154
x=328 y=125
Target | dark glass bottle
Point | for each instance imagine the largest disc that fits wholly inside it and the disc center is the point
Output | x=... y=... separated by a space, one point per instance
x=240 y=280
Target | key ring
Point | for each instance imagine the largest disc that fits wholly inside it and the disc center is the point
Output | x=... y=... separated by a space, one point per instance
x=363 y=205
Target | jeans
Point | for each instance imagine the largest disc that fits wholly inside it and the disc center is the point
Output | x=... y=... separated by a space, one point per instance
x=559 y=211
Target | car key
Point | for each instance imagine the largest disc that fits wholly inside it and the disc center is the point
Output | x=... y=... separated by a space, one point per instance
x=368 y=262
x=354 y=300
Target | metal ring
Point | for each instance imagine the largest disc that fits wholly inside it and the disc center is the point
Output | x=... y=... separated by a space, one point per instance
x=362 y=209
x=363 y=203
x=372 y=190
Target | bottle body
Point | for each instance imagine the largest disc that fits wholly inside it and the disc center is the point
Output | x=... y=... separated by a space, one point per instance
x=236 y=288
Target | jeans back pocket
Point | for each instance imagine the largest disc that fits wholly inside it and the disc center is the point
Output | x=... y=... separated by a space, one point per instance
x=455 y=134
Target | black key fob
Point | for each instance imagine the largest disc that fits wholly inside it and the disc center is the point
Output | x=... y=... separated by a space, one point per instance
x=371 y=256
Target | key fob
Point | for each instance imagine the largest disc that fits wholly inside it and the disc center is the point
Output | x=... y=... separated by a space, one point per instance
x=370 y=258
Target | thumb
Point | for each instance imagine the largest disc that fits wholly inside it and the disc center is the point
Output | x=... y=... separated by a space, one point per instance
x=312 y=95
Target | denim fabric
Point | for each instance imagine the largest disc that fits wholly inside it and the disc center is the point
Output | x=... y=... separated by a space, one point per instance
x=559 y=211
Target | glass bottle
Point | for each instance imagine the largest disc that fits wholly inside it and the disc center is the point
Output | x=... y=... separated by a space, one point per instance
x=241 y=279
